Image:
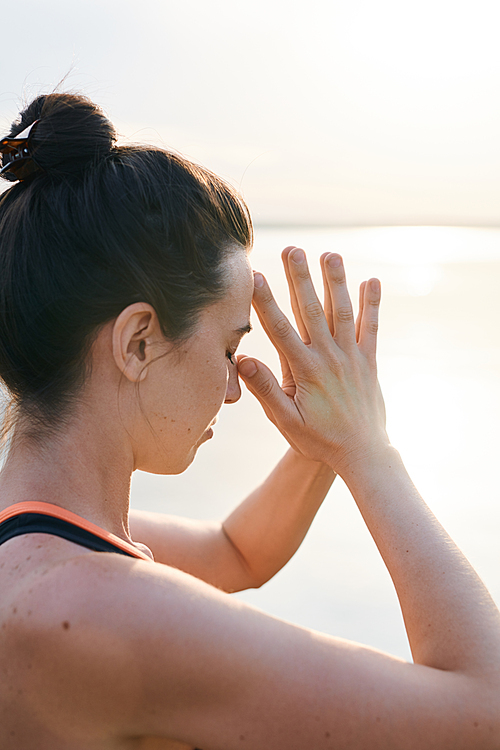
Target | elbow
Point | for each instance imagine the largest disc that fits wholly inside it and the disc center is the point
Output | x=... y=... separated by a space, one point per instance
x=254 y=579
x=257 y=583
x=248 y=581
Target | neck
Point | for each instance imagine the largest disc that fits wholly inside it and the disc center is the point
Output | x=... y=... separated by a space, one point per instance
x=83 y=468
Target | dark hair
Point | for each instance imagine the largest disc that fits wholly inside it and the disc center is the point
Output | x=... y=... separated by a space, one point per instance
x=96 y=228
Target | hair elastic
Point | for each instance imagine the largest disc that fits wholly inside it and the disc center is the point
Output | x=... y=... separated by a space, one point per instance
x=18 y=161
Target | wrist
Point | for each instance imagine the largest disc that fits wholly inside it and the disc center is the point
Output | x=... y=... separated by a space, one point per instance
x=367 y=461
x=308 y=463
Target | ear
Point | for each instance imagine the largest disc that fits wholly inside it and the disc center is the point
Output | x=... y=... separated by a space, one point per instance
x=136 y=335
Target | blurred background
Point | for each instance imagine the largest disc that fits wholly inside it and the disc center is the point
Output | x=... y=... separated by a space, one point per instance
x=361 y=127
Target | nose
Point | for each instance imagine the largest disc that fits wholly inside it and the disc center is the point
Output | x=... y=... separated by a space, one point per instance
x=233 y=390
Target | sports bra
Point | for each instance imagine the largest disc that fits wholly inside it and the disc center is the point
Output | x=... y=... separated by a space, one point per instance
x=45 y=518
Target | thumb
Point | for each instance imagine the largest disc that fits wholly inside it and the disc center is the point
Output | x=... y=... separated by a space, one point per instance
x=260 y=381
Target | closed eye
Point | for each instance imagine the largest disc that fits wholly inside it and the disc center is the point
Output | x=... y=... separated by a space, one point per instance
x=240 y=332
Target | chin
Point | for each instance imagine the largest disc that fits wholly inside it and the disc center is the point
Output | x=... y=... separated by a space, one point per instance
x=168 y=465
x=183 y=466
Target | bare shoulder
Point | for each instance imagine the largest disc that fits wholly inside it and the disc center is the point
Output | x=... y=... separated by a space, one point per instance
x=143 y=649
x=80 y=638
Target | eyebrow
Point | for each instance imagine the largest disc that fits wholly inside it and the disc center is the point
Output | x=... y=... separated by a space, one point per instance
x=244 y=329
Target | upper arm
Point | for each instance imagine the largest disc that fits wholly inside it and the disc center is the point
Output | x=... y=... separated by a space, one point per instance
x=160 y=653
x=200 y=548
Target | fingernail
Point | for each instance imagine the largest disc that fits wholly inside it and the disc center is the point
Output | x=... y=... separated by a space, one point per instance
x=375 y=285
x=298 y=256
x=247 y=368
x=334 y=261
x=258 y=280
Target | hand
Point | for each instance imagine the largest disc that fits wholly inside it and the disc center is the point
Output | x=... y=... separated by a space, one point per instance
x=329 y=406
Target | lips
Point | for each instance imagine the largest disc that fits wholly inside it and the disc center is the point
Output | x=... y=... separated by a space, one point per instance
x=210 y=433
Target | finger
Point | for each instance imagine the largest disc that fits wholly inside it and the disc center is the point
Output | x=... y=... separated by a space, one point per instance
x=260 y=381
x=360 y=311
x=264 y=323
x=288 y=385
x=287 y=378
x=277 y=326
x=266 y=409
x=293 y=297
x=369 y=322
x=345 y=334
x=310 y=307
x=327 y=304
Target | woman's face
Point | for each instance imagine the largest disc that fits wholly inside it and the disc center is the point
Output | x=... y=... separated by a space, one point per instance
x=185 y=389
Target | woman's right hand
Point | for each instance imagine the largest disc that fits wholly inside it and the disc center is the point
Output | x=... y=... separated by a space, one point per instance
x=329 y=406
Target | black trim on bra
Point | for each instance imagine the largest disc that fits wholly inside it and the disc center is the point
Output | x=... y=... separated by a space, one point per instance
x=39 y=523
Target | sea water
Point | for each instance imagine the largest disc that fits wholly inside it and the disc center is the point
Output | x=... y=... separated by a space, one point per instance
x=439 y=368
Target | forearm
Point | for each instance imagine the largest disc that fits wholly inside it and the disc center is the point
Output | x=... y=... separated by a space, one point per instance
x=268 y=527
x=255 y=541
x=451 y=620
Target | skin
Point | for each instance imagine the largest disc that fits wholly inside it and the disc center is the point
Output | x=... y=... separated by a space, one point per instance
x=103 y=651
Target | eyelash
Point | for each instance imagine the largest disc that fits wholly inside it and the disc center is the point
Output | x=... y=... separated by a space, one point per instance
x=230 y=356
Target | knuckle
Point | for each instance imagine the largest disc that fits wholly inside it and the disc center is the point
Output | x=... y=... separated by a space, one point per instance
x=302 y=272
x=372 y=327
x=265 y=388
x=265 y=296
x=344 y=314
x=316 y=370
x=339 y=278
x=336 y=365
x=314 y=310
x=281 y=328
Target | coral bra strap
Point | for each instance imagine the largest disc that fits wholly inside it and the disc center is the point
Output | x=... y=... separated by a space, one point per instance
x=55 y=511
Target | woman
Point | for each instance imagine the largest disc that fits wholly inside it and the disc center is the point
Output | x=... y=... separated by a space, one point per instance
x=125 y=290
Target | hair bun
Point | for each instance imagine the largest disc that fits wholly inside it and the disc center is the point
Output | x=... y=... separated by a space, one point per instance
x=72 y=133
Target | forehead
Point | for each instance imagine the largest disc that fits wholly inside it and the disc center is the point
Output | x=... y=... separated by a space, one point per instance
x=234 y=308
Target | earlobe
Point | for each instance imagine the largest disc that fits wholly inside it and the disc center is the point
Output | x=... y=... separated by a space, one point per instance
x=134 y=332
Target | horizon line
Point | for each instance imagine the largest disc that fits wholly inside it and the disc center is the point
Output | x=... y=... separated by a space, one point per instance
x=369 y=225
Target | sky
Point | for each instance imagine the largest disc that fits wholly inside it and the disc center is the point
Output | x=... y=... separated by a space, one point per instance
x=346 y=112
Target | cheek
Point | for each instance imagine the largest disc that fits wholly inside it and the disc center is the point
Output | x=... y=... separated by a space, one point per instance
x=179 y=412
x=215 y=384
x=191 y=396
x=207 y=391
